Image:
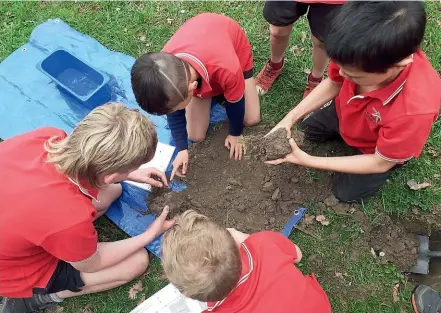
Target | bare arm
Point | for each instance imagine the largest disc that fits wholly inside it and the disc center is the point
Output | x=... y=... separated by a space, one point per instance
x=299 y=254
x=111 y=253
x=322 y=94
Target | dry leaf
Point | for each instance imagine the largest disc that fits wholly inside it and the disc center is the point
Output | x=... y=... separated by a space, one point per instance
x=169 y=20
x=395 y=295
x=322 y=219
x=436 y=175
x=308 y=220
x=303 y=37
x=142 y=38
x=432 y=152
x=86 y=309
x=416 y=186
x=373 y=253
x=133 y=291
x=182 y=11
x=339 y=275
x=141 y=300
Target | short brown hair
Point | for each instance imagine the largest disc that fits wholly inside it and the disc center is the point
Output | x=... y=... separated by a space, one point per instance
x=160 y=82
x=201 y=258
x=110 y=139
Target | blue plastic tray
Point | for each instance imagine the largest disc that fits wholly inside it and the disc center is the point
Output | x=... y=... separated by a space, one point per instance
x=78 y=79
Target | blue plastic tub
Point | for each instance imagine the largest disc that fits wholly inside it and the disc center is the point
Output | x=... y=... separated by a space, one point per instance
x=78 y=79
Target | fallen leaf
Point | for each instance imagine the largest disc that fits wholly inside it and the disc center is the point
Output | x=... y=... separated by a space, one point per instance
x=395 y=295
x=303 y=37
x=87 y=309
x=133 y=291
x=169 y=20
x=416 y=186
x=322 y=219
x=141 y=300
x=142 y=38
x=296 y=49
x=308 y=220
x=182 y=11
x=340 y=275
x=432 y=152
x=373 y=253
x=436 y=175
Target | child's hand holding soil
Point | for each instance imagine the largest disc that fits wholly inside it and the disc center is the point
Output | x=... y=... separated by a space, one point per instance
x=276 y=144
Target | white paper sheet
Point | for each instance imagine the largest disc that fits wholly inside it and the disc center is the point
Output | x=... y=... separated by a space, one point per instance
x=160 y=161
x=170 y=300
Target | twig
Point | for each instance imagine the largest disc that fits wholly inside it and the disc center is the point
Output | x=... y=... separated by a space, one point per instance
x=307 y=232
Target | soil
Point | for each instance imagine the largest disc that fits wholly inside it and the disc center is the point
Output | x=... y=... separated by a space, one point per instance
x=248 y=194
x=393 y=243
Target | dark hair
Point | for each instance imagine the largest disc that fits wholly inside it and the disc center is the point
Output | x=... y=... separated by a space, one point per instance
x=373 y=36
x=160 y=82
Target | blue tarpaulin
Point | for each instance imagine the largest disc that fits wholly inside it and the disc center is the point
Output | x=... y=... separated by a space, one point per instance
x=30 y=99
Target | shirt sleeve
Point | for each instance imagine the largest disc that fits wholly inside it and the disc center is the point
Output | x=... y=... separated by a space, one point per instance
x=178 y=127
x=334 y=73
x=404 y=138
x=236 y=115
x=277 y=239
x=233 y=86
x=74 y=244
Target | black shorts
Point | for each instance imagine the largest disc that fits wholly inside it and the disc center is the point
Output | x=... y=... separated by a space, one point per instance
x=284 y=13
x=65 y=277
x=247 y=74
x=322 y=125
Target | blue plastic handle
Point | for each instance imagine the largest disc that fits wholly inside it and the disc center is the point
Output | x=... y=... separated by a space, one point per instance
x=293 y=221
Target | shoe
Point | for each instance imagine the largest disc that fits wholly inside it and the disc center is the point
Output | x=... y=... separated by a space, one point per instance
x=311 y=83
x=266 y=77
x=426 y=300
x=27 y=305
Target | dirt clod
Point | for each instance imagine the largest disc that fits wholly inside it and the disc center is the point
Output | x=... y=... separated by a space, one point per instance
x=268 y=186
x=276 y=195
x=331 y=201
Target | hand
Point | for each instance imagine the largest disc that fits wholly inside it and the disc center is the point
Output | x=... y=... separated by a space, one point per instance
x=236 y=146
x=286 y=123
x=161 y=224
x=145 y=175
x=297 y=156
x=180 y=164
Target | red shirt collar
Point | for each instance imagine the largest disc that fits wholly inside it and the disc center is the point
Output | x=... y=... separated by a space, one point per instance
x=200 y=68
x=86 y=189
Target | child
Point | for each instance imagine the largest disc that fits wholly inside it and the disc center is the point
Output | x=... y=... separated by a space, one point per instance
x=382 y=96
x=235 y=272
x=209 y=56
x=281 y=15
x=54 y=186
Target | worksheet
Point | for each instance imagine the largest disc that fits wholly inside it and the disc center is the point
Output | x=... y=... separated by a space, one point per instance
x=170 y=300
x=160 y=161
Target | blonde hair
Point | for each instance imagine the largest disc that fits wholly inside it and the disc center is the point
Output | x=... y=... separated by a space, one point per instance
x=110 y=139
x=201 y=258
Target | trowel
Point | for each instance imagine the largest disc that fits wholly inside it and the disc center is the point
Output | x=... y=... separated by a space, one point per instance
x=424 y=256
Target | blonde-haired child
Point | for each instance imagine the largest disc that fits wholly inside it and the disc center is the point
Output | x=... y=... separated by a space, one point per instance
x=57 y=185
x=237 y=272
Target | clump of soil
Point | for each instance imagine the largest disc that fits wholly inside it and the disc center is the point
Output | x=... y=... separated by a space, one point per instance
x=399 y=246
x=275 y=145
x=248 y=195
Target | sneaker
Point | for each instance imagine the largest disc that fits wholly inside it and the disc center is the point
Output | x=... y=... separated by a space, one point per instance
x=266 y=77
x=27 y=305
x=311 y=83
x=426 y=300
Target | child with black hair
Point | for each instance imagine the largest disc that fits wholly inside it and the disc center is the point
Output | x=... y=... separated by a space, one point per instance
x=209 y=56
x=382 y=96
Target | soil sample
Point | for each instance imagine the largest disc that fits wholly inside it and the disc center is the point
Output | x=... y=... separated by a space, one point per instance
x=248 y=195
x=275 y=145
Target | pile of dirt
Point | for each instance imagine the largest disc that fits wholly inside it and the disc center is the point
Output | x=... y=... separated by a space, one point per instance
x=248 y=194
x=391 y=241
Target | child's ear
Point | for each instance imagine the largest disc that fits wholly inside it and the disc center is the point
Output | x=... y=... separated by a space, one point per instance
x=110 y=178
x=192 y=86
x=405 y=62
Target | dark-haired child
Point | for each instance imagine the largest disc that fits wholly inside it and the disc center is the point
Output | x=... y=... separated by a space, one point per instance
x=382 y=96
x=209 y=56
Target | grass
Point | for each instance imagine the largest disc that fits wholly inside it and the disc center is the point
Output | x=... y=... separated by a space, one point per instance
x=138 y=27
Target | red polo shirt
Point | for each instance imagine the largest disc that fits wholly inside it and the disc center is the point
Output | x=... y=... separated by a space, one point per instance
x=270 y=281
x=395 y=121
x=44 y=217
x=218 y=49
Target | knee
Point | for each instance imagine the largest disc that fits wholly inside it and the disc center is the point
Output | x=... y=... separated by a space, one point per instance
x=139 y=264
x=196 y=137
x=251 y=121
x=280 y=31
